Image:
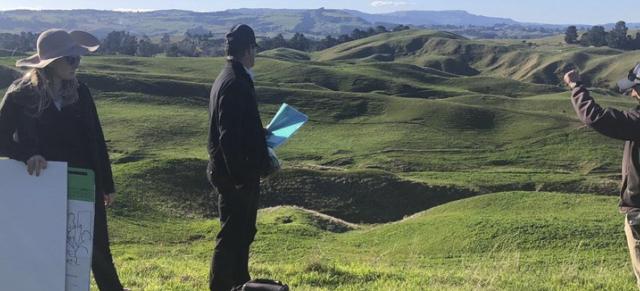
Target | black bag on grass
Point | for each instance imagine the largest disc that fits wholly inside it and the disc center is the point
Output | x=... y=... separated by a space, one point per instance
x=262 y=285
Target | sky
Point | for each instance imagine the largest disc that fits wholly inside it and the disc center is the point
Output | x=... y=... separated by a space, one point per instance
x=540 y=11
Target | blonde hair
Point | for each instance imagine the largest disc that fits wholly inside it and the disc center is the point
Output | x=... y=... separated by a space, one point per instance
x=41 y=81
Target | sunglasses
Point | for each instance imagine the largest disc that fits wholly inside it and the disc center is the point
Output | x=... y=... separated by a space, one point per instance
x=72 y=60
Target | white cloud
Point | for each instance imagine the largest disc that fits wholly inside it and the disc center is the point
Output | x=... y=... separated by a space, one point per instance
x=388 y=3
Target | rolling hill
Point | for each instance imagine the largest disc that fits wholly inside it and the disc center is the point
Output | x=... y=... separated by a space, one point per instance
x=502 y=241
x=468 y=175
x=537 y=61
x=420 y=124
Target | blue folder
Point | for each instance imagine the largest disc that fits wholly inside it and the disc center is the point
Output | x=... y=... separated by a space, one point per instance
x=284 y=124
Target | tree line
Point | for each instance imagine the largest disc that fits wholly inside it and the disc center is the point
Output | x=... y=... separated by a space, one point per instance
x=195 y=43
x=302 y=43
x=618 y=37
x=191 y=45
x=22 y=42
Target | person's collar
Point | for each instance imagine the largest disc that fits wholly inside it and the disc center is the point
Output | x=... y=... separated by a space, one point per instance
x=249 y=72
x=236 y=65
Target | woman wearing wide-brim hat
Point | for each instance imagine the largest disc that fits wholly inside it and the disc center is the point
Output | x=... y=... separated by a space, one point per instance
x=47 y=115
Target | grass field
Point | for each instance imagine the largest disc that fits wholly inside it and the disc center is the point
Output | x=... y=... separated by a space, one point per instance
x=430 y=162
x=503 y=241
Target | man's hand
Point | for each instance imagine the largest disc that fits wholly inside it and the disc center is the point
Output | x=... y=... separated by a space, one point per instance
x=109 y=199
x=572 y=78
x=36 y=165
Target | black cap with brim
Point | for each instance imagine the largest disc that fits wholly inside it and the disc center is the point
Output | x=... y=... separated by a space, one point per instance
x=241 y=36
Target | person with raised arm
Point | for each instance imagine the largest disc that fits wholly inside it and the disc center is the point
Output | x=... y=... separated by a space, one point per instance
x=621 y=125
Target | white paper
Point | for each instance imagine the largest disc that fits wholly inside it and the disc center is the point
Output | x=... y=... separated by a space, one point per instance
x=284 y=124
x=33 y=223
x=79 y=244
x=80 y=215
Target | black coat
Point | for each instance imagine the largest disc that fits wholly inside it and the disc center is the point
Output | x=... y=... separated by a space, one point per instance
x=72 y=135
x=237 y=144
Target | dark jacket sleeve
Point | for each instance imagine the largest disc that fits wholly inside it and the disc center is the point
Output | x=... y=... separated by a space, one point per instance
x=623 y=125
x=231 y=115
x=11 y=120
x=103 y=155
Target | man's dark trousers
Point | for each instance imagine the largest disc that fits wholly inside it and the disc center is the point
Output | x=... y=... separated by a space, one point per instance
x=238 y=210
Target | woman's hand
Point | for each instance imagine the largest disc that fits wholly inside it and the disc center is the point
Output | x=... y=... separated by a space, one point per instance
x=572 y=78
x=109 y=199
x=36 y=165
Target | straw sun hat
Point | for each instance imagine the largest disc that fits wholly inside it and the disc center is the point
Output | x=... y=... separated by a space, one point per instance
x=56 y=43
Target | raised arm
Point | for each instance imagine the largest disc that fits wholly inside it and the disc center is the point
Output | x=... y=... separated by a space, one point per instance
x=618 y=124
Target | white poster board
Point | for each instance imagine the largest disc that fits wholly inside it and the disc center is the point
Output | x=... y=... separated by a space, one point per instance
x=80 y=217
x=33 y=223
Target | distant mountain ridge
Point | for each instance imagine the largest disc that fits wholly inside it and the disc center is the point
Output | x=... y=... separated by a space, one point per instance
x=429 y=18
x=177 y=22
x=267 y=22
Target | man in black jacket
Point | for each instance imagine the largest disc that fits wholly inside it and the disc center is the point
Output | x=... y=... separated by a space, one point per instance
x=621 y=125
x=237 y=156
